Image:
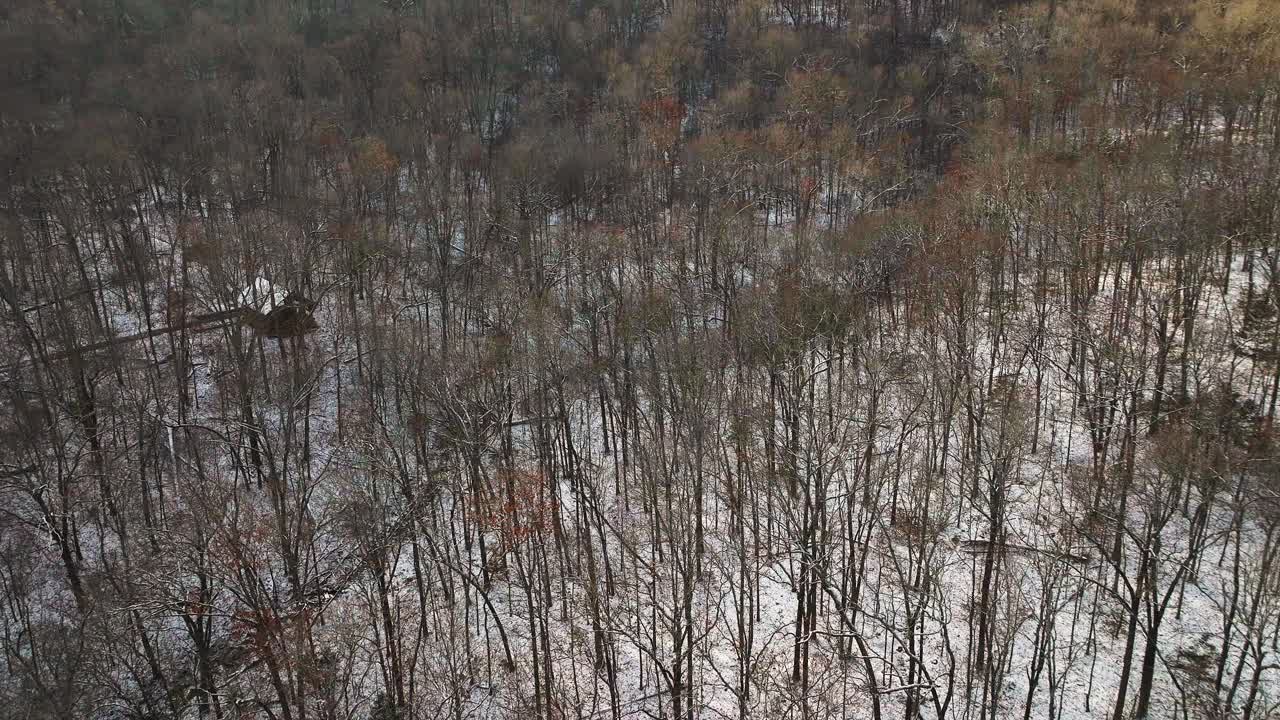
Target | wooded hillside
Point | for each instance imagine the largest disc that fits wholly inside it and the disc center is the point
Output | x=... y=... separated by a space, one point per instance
x=804 y=359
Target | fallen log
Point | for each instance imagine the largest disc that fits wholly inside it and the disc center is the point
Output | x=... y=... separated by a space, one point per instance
x=198 y=323
x=982 y=546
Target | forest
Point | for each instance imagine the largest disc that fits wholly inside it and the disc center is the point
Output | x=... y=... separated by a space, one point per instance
x=616 y=359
